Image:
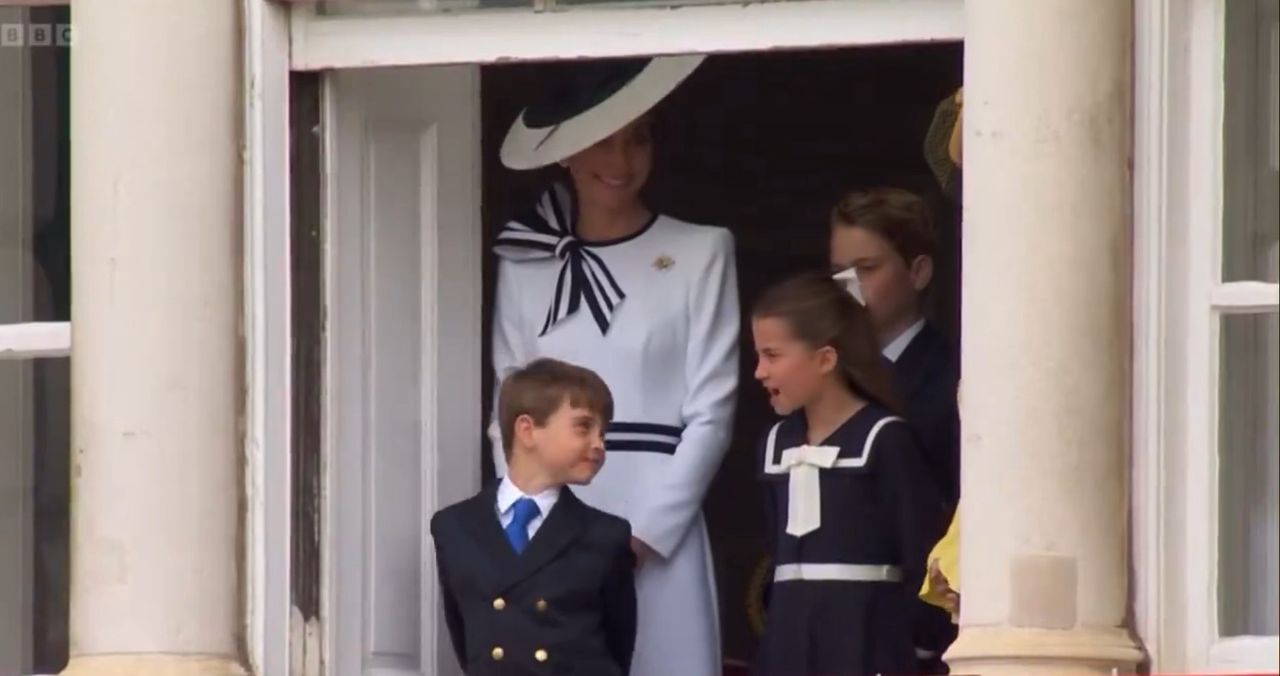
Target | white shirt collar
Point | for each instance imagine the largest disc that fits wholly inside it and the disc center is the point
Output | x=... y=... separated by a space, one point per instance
x=898 y=345
x=508 y=493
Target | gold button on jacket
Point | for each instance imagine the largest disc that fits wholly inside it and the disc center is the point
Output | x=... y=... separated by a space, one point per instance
x=540 y=655
x=499 y=603
x=498 y=653
x=541 y=605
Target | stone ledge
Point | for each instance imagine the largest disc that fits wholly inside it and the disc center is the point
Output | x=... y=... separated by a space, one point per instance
x=1000 y=651
x=152 y=665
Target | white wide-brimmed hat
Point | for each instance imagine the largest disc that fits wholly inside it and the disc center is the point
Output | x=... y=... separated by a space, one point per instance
x=596 y=100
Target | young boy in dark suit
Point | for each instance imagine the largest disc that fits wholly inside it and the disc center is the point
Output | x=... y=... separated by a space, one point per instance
x=534 y=581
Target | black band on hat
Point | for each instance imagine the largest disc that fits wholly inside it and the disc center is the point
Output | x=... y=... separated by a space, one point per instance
x=583 y=87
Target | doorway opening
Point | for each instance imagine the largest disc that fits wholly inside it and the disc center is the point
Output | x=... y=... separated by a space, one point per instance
x=763 y=144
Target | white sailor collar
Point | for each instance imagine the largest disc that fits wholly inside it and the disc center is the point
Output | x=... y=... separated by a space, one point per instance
x=804 y=463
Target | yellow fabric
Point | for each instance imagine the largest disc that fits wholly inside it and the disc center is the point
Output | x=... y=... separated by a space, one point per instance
x=937 y=142
x=947 y=554
x=953 y=144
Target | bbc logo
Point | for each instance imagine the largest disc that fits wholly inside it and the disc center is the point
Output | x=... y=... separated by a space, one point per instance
x=36 y=35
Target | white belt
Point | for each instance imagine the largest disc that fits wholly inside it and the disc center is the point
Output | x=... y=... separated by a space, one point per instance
x=839 y=572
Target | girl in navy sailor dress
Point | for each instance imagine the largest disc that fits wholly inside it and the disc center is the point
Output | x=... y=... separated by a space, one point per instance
x=852 y=512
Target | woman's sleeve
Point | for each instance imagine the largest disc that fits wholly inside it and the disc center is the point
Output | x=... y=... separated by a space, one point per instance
x=711 y=375
x=508 y=352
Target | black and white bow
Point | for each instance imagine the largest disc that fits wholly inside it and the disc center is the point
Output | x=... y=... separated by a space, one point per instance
x=546 y=231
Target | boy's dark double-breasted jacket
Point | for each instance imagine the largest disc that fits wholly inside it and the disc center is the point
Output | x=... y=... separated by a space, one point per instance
x=565 y=605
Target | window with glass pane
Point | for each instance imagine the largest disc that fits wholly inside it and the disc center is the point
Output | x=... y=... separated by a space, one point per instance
x=1249 y=476
x=1251 y=141
x=35 y=506
x=35 y=394
x=1249 y=392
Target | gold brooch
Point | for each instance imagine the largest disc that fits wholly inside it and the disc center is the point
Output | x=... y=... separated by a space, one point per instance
x=663 y=263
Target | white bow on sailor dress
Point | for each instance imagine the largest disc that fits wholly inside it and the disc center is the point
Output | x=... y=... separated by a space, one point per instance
x=804 y=465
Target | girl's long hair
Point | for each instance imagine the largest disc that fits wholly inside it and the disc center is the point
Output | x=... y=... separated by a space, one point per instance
x=821 y=313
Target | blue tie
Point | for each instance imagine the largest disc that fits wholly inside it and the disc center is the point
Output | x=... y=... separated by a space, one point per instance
x=522 y=513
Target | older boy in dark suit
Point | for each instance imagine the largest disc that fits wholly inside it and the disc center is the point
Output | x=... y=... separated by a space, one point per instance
x=534 y=581
x=886 y=235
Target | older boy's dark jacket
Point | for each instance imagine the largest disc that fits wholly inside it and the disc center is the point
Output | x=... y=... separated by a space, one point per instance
x=565 y=605
x=925 y=377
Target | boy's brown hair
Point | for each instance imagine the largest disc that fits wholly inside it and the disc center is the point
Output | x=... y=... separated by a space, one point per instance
x=899 y=216
x=542 y=387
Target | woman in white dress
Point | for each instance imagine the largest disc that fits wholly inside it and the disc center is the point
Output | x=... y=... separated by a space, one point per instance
x=591 y=275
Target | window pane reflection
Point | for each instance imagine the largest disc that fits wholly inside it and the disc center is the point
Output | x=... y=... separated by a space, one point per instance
x=35 y=394
x=1249 y=476
x=35 y=502
x=1251 y=141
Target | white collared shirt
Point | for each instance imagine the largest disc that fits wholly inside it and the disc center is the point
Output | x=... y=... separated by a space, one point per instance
x=508 y=493
x=898 y=345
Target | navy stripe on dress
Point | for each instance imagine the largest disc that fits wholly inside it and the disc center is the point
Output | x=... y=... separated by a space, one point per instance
x=642 y=437
x=640 y=446
x=645 y=428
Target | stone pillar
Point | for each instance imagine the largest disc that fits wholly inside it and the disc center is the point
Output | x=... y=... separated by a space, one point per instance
x=157 y=368
x=1046 y=289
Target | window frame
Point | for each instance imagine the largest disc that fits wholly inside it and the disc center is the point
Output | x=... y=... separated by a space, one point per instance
x=30 y=340
x=1179 y=302
x=1224 y=298
x=23 y=342
x=35 y=340
x=320 y=41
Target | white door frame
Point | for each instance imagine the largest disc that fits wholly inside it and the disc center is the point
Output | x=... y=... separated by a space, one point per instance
x=313 y=41
x=268 y=360
x=327 y=42
x=400 y=42
x=1156 y=139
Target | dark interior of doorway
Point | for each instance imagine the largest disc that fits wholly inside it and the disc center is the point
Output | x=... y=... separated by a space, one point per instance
x=764 y=144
